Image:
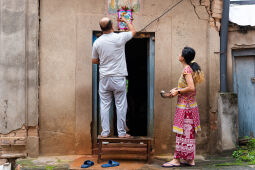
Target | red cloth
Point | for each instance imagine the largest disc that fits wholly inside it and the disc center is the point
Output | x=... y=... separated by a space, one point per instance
x=186 y=143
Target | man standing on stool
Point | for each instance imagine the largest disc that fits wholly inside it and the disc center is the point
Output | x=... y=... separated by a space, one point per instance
x=109 y=52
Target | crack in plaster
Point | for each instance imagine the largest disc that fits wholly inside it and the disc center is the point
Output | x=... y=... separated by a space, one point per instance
x=208 y=9
x=194 y=7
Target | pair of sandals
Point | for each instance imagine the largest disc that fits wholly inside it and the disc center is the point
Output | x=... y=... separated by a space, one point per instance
x=89 y=163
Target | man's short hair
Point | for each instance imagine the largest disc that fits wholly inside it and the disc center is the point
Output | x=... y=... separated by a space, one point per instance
x=107 y=26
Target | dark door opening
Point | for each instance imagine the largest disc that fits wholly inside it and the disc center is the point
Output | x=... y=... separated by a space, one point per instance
x=137 y=97
x=136 y=58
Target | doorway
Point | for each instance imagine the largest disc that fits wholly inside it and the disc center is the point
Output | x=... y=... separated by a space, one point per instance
x=140 y=52
x=244 y=86
x=136 y=58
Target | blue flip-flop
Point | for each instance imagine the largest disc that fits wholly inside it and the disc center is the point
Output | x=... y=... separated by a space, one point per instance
x=111 y=163
x=87 y=164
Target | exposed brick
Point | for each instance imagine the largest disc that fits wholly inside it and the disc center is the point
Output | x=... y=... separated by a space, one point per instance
x=12 y=134
x=20 y=141
x=205 y=2
x=13 y=141
x=216 y=15
x=33 y=131
x=217 y=3
x=217 y=11
x=13 y=144
x=4 y=141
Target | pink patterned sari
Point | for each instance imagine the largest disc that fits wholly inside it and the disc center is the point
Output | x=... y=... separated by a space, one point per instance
x=186 y=121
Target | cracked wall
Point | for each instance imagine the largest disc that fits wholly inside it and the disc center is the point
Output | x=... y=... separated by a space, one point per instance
x=65 y=70
x=18 y=74
x=212 y=7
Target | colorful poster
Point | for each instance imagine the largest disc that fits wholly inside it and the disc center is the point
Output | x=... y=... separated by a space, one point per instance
x=114 y=5
x=128 y=15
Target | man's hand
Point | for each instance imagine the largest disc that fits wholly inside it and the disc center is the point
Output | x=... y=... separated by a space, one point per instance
x=130 y=26
x=95 y=61
x=123 y=19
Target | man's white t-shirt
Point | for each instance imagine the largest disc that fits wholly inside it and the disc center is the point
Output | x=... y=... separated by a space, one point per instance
x=110 y=49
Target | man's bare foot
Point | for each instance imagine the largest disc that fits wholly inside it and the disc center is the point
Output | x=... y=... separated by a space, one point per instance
x=105 y=136
x=125 y=136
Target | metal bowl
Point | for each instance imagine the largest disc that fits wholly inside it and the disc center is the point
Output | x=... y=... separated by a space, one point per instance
x=163 y=94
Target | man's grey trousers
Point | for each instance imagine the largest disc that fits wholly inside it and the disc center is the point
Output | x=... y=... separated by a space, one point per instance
x=109 y=87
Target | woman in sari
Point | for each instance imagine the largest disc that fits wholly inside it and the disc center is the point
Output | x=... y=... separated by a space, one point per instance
x=186 y=120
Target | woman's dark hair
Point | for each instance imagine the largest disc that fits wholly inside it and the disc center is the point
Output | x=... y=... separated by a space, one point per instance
x=188 y=54
x=106 y=27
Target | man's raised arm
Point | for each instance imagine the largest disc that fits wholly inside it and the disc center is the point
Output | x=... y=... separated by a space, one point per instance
x=130 y=26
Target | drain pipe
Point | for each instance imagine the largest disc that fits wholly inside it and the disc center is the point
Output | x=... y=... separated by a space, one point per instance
x=224 y=46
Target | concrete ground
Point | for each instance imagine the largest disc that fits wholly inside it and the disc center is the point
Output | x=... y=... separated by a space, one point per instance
x=74 y=163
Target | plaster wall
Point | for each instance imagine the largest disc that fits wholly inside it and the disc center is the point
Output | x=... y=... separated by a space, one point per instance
x=19 y=23
x=66 y=71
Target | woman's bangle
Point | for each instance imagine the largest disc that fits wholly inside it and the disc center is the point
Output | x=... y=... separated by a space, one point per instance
x=179 y=91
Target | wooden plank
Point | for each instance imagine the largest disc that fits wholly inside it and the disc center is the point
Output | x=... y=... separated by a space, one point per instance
x=124 y=150
x=134 y=138
x=125 y=156
x=125 y=141
x=132 y=147
x=127 y=145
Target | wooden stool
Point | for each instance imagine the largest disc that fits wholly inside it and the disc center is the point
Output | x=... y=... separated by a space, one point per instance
x=132 y=145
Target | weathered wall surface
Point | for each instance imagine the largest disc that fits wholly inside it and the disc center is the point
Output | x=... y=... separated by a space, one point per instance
x=18 y=74
x=227 y=121
x=66 y=77
x=13 y=65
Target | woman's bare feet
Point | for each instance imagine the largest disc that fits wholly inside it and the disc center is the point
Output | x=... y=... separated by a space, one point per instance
x=191 y=162
x=173 y=163
x=188 y=162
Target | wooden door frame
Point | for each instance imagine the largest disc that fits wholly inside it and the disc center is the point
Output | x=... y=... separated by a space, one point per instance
x=150 y=90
